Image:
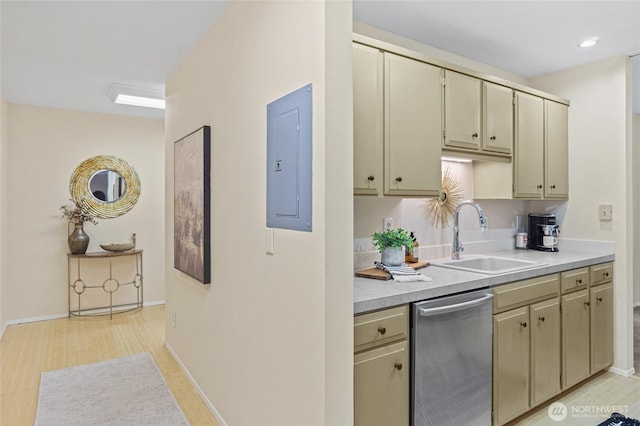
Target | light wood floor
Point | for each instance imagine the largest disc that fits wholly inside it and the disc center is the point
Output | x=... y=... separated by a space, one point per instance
x=27 y=350
x=592 y=402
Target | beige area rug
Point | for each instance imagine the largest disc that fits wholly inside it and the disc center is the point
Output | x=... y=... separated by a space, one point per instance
x=116 y=392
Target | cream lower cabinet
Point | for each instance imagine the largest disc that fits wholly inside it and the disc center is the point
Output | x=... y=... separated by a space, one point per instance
x=544 y=318
x=587 y=322
x=601 y=302
x=526 y=346
x=511 y=352
x=381 y=368
x=575 y=338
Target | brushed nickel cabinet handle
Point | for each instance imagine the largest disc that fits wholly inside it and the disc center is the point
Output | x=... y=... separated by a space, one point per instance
x=382 y=330
x=371 y=178
x=398 y=366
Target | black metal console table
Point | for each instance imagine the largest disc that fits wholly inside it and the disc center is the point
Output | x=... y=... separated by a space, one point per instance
x=77 y=286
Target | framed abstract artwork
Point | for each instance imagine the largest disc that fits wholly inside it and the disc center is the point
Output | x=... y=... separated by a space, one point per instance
x=192 y=205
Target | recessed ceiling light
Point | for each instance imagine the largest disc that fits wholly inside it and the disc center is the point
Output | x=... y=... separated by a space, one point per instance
x=136 y=96
x=590 y=42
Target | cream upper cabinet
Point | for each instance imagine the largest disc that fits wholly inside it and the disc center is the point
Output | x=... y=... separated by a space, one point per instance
x=529 y=146
x=368 y=119
x=462 y=97
x=556 y=148
x=413 y=127
x=497 y=102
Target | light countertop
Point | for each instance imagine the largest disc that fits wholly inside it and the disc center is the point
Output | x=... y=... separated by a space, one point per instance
x=370 y=294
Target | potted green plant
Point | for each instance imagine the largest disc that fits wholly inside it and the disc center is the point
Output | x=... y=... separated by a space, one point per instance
x=390 y=243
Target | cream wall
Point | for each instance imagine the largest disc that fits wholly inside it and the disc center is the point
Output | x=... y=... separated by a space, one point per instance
x=3 y=208
x=636 y=206
x=44 y=147
x=600 y=154
x=269 y=341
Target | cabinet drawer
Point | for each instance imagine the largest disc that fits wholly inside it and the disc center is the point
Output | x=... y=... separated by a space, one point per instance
x=524 y=292
x=576 y=279
x=380 y=327
x=601 y=274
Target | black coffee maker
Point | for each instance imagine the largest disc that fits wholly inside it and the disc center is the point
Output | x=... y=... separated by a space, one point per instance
x=543 y=232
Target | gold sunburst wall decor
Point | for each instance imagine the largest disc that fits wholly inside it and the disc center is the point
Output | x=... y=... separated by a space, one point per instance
x=441 y=209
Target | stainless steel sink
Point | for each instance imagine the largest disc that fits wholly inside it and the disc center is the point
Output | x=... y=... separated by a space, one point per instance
x=492 y=265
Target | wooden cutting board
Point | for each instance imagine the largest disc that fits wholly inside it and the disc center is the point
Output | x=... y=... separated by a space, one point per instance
x=379 y=274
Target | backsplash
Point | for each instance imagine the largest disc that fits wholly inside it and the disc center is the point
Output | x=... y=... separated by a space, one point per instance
x=412 y=215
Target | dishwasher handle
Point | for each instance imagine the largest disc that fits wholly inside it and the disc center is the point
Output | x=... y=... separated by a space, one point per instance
x=428 y=312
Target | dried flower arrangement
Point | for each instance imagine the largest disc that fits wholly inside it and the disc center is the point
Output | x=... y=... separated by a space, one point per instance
x=78 y=214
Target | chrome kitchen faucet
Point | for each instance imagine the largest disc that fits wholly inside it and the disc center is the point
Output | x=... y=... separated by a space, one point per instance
x=456 y=246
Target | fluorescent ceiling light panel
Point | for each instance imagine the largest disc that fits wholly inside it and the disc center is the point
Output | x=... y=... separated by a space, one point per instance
x=590 y=42
x=136 y=96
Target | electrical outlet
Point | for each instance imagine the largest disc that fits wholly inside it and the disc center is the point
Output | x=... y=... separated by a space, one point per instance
x=387 y=223
x=173 y=319
x=605 y=212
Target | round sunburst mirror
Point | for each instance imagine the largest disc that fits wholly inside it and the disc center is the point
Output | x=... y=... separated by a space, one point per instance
x=106 y=186
x=441 y=209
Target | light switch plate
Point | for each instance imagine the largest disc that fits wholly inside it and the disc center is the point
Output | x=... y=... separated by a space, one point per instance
x=605 y=212
x=268 y=241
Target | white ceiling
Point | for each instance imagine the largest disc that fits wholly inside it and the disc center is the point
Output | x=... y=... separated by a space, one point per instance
x=65 y=54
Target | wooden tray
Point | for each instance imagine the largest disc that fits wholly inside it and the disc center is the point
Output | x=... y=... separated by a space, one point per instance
x=379 y=274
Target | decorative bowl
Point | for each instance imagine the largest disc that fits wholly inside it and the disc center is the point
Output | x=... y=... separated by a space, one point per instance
x=117 y=248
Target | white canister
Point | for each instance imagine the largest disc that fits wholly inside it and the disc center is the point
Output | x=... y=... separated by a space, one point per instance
x=521 y=240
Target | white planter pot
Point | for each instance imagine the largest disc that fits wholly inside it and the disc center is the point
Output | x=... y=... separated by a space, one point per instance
x=392 y=256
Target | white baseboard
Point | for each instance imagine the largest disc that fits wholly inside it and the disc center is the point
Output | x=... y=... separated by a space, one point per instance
x=36 y=319
x=57 y=316
x=626 y=373
x=204 y=398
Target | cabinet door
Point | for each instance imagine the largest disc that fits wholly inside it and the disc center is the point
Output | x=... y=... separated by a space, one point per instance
x=575 y=338
x=368 y=118
x=545 y=350
x=497 y=135
x=462 y=110
x=381 y=386
x=510 y=364
x=556 y=146
x=529 y=146
x=413 y=127
x=601 y=327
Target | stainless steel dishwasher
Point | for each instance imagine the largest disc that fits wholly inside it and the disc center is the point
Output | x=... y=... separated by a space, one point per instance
x=451 y=345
